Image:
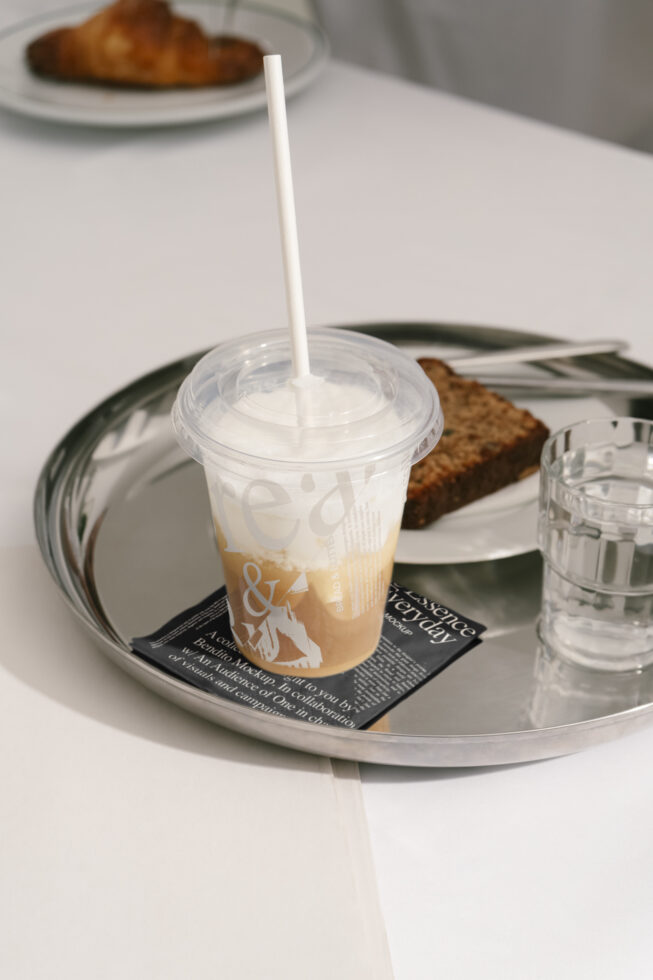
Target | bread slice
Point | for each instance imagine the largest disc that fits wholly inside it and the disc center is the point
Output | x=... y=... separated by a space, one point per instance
x=487 y=443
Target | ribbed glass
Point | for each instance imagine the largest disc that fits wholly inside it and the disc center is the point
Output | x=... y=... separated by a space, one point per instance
x=596 y=537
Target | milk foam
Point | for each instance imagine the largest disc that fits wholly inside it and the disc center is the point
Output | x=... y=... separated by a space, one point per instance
x=307 y=422
x=309 y=517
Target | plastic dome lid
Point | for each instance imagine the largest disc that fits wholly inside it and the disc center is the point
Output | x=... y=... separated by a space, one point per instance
x=366 y=401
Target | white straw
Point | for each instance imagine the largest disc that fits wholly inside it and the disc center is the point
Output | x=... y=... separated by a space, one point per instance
x=287 y=218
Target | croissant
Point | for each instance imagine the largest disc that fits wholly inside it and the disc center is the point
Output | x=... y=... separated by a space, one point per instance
x=142 y=43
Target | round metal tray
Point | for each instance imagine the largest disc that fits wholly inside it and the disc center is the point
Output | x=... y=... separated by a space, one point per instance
x=123 y=523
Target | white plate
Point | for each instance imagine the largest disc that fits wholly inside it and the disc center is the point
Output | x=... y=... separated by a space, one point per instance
x=503 y=523
x=301 y=44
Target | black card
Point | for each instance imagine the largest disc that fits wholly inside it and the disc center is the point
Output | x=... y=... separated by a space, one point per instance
x=420 y=638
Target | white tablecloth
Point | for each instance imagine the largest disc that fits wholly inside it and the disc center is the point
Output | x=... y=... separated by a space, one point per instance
x=124 y=250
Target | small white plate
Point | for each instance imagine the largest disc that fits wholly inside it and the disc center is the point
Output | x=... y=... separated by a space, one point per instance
x=301 y=44
x=503 y=523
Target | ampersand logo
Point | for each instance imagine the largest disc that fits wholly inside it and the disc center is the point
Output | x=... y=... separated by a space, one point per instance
x=252 y=592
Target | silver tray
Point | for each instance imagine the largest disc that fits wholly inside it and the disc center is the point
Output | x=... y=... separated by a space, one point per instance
x=123 y=523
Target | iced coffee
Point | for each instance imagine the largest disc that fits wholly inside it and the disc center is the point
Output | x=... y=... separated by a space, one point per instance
x=307 y=485
x=308 y=622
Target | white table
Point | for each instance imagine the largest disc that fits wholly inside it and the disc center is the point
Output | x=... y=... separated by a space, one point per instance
x=124 y=250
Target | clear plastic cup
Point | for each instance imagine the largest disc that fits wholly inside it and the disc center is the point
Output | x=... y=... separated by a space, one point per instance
x=307 y=484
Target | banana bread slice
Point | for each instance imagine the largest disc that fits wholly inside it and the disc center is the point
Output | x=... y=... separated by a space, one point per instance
x=486 y=444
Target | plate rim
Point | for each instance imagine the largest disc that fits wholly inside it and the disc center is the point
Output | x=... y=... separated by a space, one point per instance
x=176 y=116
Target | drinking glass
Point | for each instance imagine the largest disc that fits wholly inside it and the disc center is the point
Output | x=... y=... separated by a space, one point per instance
x=596 y=537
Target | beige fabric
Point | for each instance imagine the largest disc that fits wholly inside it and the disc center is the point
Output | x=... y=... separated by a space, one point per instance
x=582 y=64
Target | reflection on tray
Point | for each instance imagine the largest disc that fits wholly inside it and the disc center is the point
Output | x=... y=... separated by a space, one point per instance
x=564 y=693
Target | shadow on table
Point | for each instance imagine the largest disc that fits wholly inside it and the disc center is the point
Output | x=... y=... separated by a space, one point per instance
x=48 y=650
x=417 y=774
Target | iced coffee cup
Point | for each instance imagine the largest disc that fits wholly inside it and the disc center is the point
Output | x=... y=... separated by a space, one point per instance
x=307 y=482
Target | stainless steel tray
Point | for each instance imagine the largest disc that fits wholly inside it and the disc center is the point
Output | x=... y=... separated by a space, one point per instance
x=123 y=524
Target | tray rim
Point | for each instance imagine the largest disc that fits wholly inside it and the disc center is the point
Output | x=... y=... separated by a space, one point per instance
x=481 y=749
